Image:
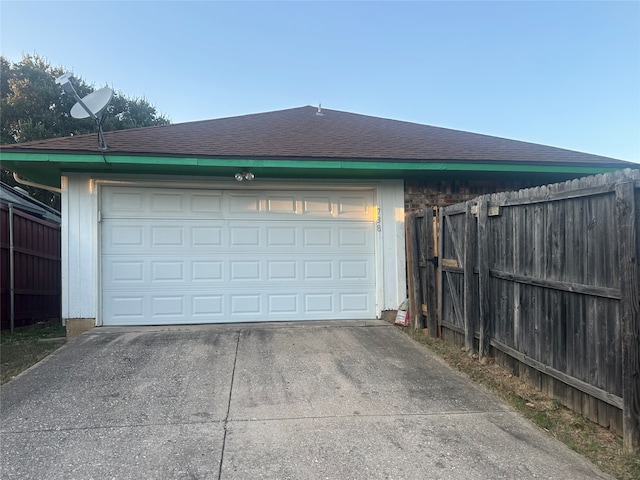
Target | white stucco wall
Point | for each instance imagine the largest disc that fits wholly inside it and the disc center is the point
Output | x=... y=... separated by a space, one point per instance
x=81 y=238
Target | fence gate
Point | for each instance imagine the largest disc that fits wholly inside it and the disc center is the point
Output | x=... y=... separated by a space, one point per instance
x=458 y=280
x=422 y=265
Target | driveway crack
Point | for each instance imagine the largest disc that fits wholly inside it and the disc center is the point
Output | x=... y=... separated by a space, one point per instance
x=226 y=417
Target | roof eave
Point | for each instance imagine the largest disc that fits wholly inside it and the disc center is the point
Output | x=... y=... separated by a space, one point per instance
x=52 y=165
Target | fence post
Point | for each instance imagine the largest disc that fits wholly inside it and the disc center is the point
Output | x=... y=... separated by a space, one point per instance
x=413 y=273
x=439 y=273
x=430 y=268
x=483 y=280
x=469 y=278
x=629 y=313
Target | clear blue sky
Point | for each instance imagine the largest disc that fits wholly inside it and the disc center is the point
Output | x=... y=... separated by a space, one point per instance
x=565 y=74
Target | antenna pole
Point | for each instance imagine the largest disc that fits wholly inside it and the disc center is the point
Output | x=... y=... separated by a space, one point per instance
x=102 y=144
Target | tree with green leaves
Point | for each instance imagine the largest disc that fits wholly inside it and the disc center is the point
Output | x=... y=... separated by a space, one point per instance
x=34 y=107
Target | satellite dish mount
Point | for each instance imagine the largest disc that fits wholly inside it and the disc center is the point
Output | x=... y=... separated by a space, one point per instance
x=92 y=105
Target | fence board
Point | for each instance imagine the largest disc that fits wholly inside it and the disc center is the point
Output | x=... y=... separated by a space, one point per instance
x=430 y=270
x=630 y=314
x=469 y=294
x=566 y=379
x=484 y=295
x=558 y=285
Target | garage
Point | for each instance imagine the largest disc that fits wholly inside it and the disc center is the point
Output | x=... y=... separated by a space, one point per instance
x=196 y=255
x=157 y=229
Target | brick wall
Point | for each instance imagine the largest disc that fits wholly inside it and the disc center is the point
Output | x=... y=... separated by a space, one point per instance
x=421 y=193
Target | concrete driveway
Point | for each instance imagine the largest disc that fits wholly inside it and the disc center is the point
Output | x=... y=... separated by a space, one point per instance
x=322 y=400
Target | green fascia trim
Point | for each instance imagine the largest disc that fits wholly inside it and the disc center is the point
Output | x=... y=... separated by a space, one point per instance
x=67 y=160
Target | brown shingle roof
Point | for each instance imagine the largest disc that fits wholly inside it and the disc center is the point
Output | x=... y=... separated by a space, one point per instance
x=299 y=133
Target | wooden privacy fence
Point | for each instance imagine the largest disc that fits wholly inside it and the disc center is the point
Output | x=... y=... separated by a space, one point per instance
x=30 y=280
x=544 y=280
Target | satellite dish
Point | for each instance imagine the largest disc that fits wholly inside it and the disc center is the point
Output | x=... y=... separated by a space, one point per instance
x=94 y=103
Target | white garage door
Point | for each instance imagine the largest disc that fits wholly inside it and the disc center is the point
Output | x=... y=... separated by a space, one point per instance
x=171 y=256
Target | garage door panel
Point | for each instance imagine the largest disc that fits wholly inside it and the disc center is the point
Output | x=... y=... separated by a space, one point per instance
x=282 y=270
x=125 y=237
x=168 y=235
x=317 y=237
x=206 y=203
x=207 y=236
x=123 y=202
x=168 y=203
x=152 y=308
x=168 y=306
x=131 y=235
x=207 y=271
x=244 y=236
x=317 y=205
x=207 y=306
x=357 y=206
x=355 y=237
x=142 y=235
x=163 y=272
x=243 y=271
x=354 y=302
x=352 y=269
x=318 y=270
x=127 y=202
x=283 y=303
x=245 y=204
x=126 y=308
x=245 y=305
x=282 y=236
x=235 y=256
x=182 y=306
x=282 y=204
x=319 y=303
x=124 y=271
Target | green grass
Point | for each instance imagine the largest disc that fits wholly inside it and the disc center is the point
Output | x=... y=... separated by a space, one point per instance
x=26 y=347
x=590 y=440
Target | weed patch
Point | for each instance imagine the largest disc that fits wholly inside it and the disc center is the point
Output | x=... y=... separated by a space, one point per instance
x=594 y=442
